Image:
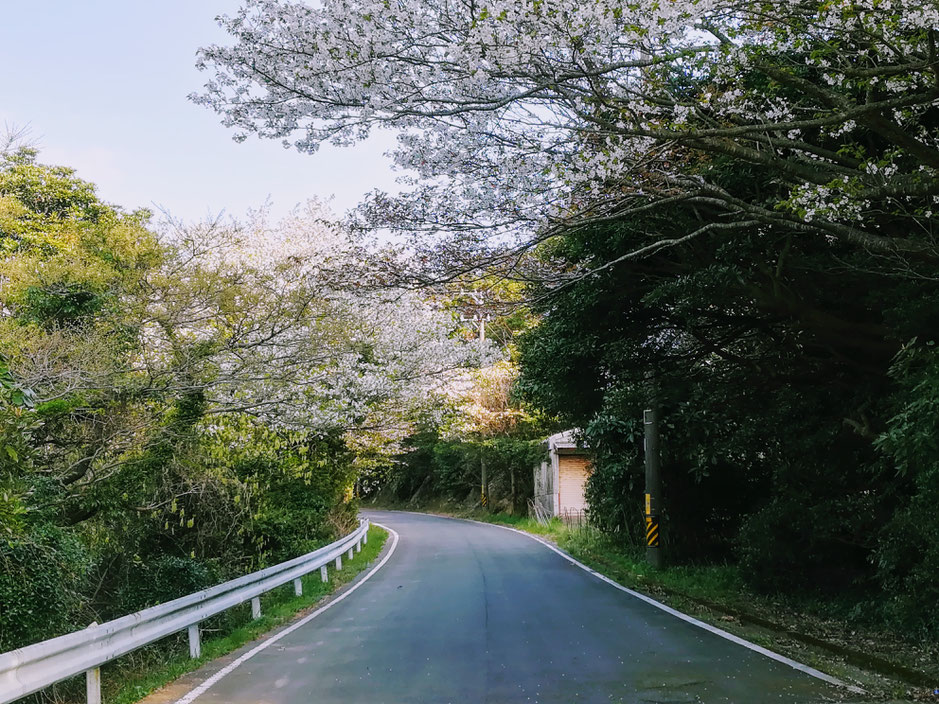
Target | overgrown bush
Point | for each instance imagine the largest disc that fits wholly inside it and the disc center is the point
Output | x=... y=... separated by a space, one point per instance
x=907 y=554
x=43 y=585
x=159 y=579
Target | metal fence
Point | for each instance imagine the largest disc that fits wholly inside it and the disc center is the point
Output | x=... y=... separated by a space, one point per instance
x=34 y=667
x=572 y=518
x=539 y=509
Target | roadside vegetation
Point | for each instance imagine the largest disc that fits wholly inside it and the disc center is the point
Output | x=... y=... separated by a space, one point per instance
x=183 y=404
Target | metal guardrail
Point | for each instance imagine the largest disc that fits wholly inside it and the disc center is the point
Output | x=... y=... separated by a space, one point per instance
x=34 y=667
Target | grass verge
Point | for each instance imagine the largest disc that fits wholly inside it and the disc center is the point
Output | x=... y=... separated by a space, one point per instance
x=129 y=679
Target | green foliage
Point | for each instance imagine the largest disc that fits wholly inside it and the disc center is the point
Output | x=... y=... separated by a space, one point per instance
x=907 y=557
x=161 y=578
x=298 y=502
x=617 y=478
x=123 y=480
x=15 y=451
x=60 y=305
x=434 y=467
x=794 y=438
x=43 y=575
x=49 y=193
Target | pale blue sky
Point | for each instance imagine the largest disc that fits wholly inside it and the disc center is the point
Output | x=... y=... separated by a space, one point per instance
x=103 y=85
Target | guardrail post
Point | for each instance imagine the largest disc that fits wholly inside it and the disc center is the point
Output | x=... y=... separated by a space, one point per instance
x=256 y=607
x=93 y=686
x=365 y=537
x=358 y=545
x=339 y=562
x=297 y=587
x=324 y=573
x=195 y=642
x=349 y=554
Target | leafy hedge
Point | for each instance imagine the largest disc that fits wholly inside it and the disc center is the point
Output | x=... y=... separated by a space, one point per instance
x=450 y=469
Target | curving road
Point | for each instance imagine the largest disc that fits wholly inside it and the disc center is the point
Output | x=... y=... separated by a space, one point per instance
x=468 y=613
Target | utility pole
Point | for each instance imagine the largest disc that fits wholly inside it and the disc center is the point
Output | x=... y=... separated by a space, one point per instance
x=650 y=422
x=480 y=319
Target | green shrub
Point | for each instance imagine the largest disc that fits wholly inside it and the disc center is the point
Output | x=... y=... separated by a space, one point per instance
x=164 y=578
x=42 y=575
x=436 y=467
x=907 y=554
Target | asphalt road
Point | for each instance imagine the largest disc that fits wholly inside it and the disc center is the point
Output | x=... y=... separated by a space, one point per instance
x=467 y=613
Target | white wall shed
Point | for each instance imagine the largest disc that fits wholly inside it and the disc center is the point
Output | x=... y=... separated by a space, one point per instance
x=560 y=480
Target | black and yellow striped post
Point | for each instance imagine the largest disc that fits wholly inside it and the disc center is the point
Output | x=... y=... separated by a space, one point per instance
x=652 y=531
x=650 y=422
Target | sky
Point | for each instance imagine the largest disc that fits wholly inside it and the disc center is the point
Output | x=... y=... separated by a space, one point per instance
x=102 y=86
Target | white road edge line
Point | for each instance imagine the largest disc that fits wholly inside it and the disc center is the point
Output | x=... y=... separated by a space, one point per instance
x=201 y=689
x=794 y=664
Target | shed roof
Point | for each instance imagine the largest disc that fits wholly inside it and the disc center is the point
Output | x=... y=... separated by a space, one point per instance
x=563 y=441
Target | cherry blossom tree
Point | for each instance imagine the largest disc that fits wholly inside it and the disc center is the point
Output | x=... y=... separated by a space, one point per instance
x=517 y=119
x=197 y=395
x=263 y=319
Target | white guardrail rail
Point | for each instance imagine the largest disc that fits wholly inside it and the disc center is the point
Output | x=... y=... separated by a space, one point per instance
x=34 y=667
